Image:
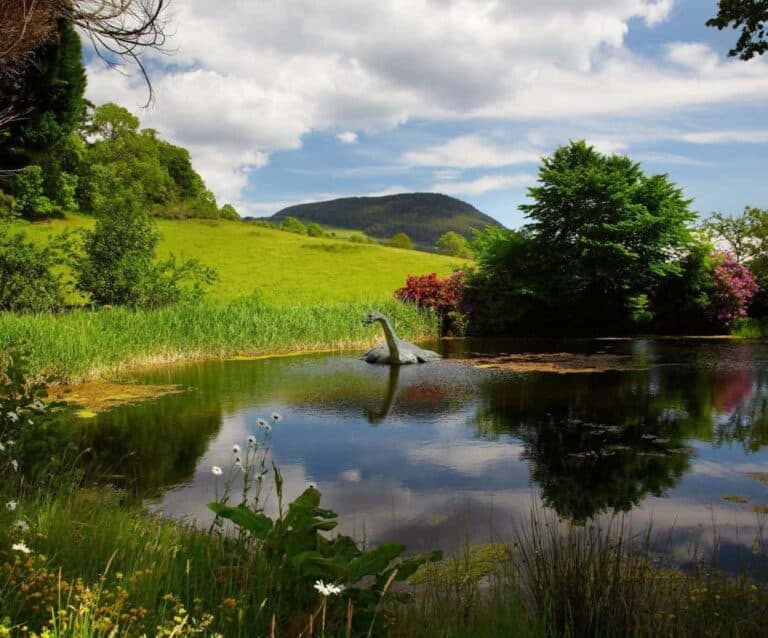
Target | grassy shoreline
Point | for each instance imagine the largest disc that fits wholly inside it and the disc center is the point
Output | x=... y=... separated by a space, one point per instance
x=87 y=345
x=145 y=575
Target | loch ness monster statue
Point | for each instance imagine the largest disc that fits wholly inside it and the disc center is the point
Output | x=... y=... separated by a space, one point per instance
x=394 y=351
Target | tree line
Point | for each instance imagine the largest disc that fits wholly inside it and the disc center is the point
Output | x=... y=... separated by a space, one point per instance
x=607 y=249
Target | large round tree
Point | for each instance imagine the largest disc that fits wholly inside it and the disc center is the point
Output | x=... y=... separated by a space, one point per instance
x=605 y=236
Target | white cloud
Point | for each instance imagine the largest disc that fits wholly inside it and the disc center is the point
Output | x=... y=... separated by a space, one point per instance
x=692 y=55
x=653 y=157
x=347 y=137
x=607 y=146
x=727 y=137
x=470 y=151
x=256 y=77
x=484 y=184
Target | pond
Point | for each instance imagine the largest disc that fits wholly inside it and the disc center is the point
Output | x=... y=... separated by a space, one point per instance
x=445 y=453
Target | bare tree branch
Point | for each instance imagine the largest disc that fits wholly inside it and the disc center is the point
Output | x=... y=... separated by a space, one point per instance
x=119 y=30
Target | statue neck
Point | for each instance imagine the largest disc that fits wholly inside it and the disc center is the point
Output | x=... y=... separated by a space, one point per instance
x=389 y=335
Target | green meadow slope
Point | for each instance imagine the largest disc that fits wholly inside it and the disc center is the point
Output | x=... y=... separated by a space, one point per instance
x=283 y=267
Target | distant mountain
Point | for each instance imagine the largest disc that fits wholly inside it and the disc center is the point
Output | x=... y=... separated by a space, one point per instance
x=422 y=216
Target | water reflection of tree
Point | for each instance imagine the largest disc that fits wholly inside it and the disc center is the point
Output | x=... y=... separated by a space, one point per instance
x=598 y=443
x=748 y=422
x=148 y=447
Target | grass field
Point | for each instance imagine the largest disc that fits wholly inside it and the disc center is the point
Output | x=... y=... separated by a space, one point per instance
x=283 y=267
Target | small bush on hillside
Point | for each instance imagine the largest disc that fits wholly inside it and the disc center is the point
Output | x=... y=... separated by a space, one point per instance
x=315 y=230
x=401 y=240
x=7 y=206
x=293 y=225
x=26 y=281
x=228 y=212
x=117 y=265
x=454 y=245
x=444 y=296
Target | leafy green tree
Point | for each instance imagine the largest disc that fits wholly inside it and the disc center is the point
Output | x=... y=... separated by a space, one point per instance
x=605 y=234
x=751 y=16
x=26 y=280
x=735 y=231
x=125 y=162
x=293 y=225
x=31 y=201
x=503 y=292
x=117 y=265
x=400 y=240
x=228 y=212
x=680 y=302
x=453 y=244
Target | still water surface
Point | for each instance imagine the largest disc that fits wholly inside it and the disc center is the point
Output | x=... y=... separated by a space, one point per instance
x=435 y=454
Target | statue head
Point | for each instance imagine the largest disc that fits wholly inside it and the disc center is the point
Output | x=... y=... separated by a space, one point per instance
x=372 y=317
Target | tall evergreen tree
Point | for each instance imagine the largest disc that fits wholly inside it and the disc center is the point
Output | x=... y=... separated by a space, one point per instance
x=48 y=97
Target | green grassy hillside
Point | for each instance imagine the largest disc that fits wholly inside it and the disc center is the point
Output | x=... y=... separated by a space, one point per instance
x=424 y=217
x=283 y=267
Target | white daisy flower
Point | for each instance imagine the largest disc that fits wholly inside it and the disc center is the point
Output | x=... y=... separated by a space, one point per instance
x=251 y=440
x=21 y=525
x=261 y=422
x=11 y=505
x=235 y=449
x=267 y=428
x=217 y=471
x=328 y=589
x=10 y=442
x=39 y=405
x=21 y=547
x=12 y=416
x=276 y=417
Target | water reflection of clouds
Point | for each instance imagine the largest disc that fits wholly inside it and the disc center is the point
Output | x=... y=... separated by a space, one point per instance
x=424 y=472
x=470 y=458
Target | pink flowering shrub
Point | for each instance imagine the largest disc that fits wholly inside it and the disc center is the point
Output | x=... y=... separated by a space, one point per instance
x=733 y=289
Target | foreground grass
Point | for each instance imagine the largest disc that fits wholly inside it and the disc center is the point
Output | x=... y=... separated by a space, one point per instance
x=142 y=575
x=283 y=267
x=85 y=344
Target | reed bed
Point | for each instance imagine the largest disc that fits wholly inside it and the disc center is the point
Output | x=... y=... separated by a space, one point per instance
x=85 y=344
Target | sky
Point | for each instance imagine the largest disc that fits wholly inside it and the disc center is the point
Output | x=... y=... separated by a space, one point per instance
x=288 y=101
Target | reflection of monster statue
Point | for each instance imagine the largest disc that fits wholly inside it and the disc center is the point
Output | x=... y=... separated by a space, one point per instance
x=377 y=416
x=394 y=351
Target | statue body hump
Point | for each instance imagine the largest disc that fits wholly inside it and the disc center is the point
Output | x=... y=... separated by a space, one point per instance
x=393 y=351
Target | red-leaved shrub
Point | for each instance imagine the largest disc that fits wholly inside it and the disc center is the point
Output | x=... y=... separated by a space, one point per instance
x=444 y=296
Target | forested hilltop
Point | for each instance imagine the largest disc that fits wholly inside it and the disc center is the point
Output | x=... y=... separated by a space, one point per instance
x=424 y=217
x=61 y=153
